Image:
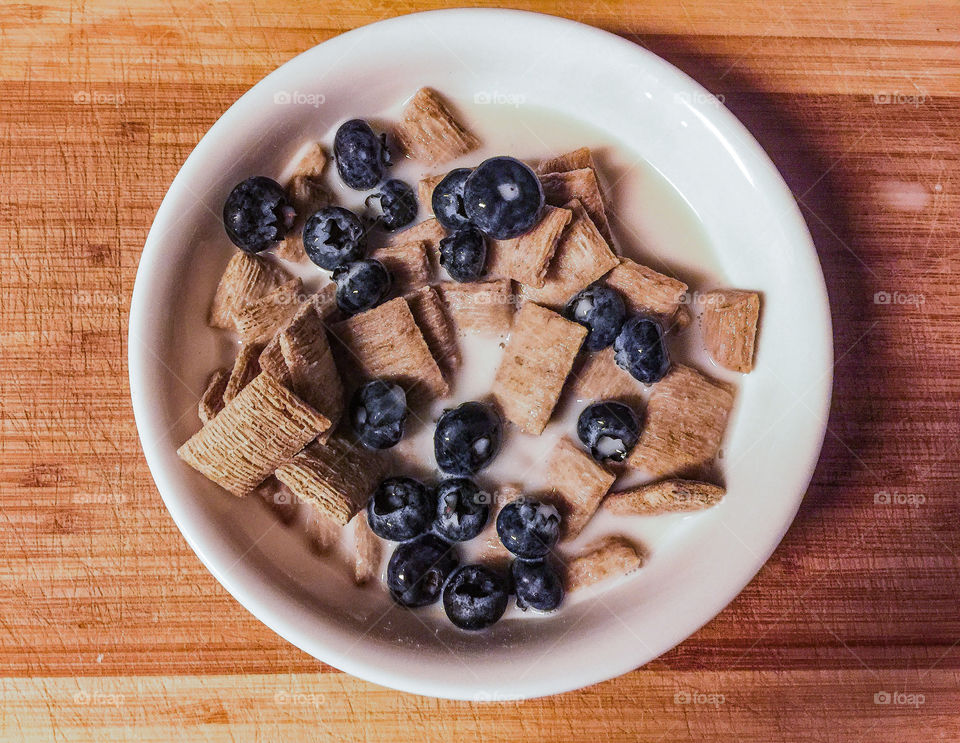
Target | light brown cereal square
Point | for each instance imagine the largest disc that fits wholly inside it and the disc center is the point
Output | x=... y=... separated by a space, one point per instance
x=579 y=484
x=428 y=130
x=666 y=496
x=526 y=258
x=580 y=185
x=611 y=557
x=431 y=317
x=729 y=324
x=259 y=321
x=479 y=306
x=245 y=280
x=646 y=291
x=408 y=263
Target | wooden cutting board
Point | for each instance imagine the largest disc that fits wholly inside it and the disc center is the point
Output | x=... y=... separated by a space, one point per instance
x=111 y=628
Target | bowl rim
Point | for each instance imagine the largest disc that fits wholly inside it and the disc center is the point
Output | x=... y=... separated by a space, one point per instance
x=149 y=422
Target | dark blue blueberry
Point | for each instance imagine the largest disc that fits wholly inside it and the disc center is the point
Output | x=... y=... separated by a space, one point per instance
x=361 y=285
x=378 y=411
x=447 y=199
x=609 y=430
x=360 y=154
x=467 y=438
x=475 y=597
x=257 y=214
x=398 y=204
x=418 y=569
x=332 y=237
x=503 y=197
x=641 y=350
x=528 y=528
x=537 y=585
x=464 y=253
x=601 y=311
x=462 y=509
x=400 y=508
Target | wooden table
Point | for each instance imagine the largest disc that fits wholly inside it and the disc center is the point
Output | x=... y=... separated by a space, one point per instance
x=111 y=628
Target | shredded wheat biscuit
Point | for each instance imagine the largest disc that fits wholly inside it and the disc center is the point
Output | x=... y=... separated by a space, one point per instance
x=278 y=498
x=211 y=401
x=425 y=190
x=385 y=342
x=686 y=419
x=666 y=496
x=479 y=306
x=579 y=484
x=580 y=185
x=428 y=131
x=576 y=160
x=367 y=551
x=611 y=557
x=312 y=163
x=597 y=377
x=255 y=432
x=271 y=361
x=246 y=279
x=322 y=530
x=408 y=263
x=431 y=317
x=245 y=368
x=729 y=324
x=430 y=232
x=582 y=257
x=645 y=290
x=526 y=258
x=260 y=320
x=337 y=477
x=535 y=365
x=307 y=195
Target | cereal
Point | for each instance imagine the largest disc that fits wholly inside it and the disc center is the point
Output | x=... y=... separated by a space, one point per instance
x=431 y=317
x=729 y=324
x=367 y=551
x=611 y=557
x=246 y=279
x=576 y=160
x=428 y=131
x=271 y=361
x=666 y=496
x=645 y=290
x=260 y=320
x=579 y=484
x=535 y=365
x=211 y=401
x=597 y=377
x=430 y=232
x=580 y=185
x=245 y=368
x=308 y=195
x=408 y=263
x=479 y=306
x=526 y=258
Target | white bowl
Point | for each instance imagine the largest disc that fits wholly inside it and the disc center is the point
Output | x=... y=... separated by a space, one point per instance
x=756 y=236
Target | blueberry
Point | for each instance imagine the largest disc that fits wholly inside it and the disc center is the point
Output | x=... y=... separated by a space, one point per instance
x=467 y=438
x=528 y=528
x=462 y=509
x=464 y=253
x=601 y=311
x=537 y=585
x=360 y=155
x=378 y=411
x=418 y=569
x=332 y=237
x=641 y=350
x=475 y=597
x=361 y=285
x=398 y=204
x=400 y=508
x=609 y=429
x=257 y=214
x=447 y=200
x=503 y=197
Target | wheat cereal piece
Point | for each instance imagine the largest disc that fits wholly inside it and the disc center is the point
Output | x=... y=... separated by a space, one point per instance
x=681 y=319
x=430 y=232
x=685 y=422
x=428 y=131
x=525 y=258
x=425 y=190
x=431 y=317
x=313 y=372
x=729 y=324
x=385 y=342
x=246 y=279
x=325 y=301
x=337 y=477
x=597 y=377
x=312 y=163
x=579 y=483
x=582 y=256
x=258 y=430
x=245 y=368
x=611 y=557
x=271 y=361
x=307 y=194
x=367 y=551
x=291 y=247
x=408 y=263
x=259 y=321
x=211 y=401
x=580 y=185
x=646 y=291
x=535 y=364
x=322 y=530
x=576 y=160
x=479 y=306
x=492 y=549
x=278 y=498
x=666 y=496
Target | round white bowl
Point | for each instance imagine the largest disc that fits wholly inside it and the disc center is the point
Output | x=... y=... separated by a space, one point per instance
x=758 y=238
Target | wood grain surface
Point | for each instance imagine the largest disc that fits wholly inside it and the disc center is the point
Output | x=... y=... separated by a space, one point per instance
x=110 y=628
